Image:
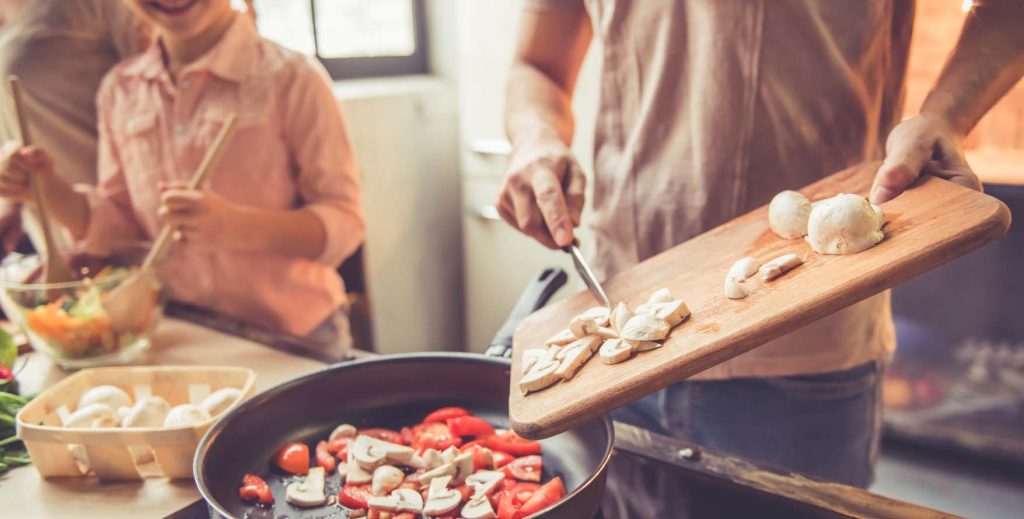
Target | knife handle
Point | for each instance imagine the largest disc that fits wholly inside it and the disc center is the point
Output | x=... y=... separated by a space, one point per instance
x=535 y=296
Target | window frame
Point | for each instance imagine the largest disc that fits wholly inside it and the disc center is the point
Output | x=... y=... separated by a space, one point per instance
x=380 y=66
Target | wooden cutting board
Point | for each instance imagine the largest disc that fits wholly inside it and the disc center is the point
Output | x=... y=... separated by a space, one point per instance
x=932 y=223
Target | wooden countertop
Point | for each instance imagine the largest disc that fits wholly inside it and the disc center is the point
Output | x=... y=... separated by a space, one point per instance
x=26 y=495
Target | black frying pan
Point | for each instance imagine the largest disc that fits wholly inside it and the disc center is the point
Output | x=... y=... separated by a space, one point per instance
x=391 y=391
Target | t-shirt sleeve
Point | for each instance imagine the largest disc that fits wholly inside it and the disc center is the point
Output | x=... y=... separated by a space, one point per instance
x=327 y=175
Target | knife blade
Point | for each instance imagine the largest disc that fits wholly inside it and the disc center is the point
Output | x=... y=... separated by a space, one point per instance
x=587 y=274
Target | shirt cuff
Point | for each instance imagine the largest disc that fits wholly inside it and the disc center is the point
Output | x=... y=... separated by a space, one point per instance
x=342 y=231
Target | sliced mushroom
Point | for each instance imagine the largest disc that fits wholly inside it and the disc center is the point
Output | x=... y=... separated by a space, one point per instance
x=463 y=467
x=478 y=508
x=560 y=338
x=734 y=290
x=437 y=486
x=400 y=500
x=743 y=268
x=343 y=471
x=308 y=492
x=148 y=412
x=343 y=431
x=574 y=359
x=449 y=454
x=445 y=470
x=432 y=459
x=645 y=327
x=371 y=452
x=590 y=342
x=662 y=295
x=385 y=479
x=598 y=314
x=92 y=416
x=541 y=376
x=674 y=312
x=354 y=473
x=531 y=356
x=581 y=326
x=639 y=346
x=780 y=266
x=614 y=351
x=620 y=316
x=441 y=499
x=485 y=482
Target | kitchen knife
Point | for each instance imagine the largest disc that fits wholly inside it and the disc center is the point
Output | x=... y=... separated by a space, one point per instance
x=588 y=275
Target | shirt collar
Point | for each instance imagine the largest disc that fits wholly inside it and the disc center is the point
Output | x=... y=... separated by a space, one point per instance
x=230 y=59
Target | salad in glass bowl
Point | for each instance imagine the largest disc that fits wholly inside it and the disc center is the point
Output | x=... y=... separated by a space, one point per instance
x=68 y=321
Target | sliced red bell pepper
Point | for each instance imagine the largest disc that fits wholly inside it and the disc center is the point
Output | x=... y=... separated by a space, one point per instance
x=324 y=458
x=255 y=490
x=355 y=496
x=466 y=492
x=482 y=457
x=470 y=426
x=407 y=436
x=445 y=413
x=383 y=434
x=548 y=494
x=293 y=458
x=339 y=447
x=527 y=468
x=509 y=443
x=433 y=436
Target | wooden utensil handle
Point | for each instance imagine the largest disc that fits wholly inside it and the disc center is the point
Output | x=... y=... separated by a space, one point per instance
x=213 y=153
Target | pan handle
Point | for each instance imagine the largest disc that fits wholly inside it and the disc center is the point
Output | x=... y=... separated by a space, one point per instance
x=536 y=295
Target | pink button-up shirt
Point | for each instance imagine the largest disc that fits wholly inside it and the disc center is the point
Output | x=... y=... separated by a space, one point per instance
x=290 y=150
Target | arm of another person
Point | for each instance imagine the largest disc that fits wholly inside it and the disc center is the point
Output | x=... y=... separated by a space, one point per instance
x=987 y=61
x=543 y=191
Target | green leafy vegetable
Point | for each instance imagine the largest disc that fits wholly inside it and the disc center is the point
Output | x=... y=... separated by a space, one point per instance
x=8 y=350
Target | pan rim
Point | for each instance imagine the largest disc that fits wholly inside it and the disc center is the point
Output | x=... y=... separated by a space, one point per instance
x=204 y=442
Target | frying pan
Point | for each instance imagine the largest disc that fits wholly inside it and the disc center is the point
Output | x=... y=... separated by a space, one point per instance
x=391 y=391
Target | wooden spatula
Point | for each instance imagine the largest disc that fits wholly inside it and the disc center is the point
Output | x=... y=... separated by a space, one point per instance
x=55 y=266
x=932 y=223
x=125 y=303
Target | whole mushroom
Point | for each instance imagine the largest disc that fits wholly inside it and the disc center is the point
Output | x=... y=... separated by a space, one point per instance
x=220 y=400
x=185 y=415
x=148 y=412
x=788 y=213
x=112 y=396
x=844 y=224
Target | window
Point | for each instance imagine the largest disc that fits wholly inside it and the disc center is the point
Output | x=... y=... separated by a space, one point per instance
x=352 y=38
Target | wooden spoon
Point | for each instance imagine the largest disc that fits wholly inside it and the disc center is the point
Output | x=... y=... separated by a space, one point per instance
x=126 y=305
x=55 y=267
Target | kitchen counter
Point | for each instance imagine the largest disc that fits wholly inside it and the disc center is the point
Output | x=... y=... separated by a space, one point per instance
x=25 y=495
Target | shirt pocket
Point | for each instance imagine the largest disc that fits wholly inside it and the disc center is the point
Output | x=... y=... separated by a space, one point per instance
x=140 y=146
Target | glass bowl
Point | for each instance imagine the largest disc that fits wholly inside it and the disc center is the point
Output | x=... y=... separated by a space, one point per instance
x=67 y=321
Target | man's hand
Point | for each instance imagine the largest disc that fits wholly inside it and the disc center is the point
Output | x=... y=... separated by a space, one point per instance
x=543 y=193
x=203 y=218
x=18 y=166
x=921 y=144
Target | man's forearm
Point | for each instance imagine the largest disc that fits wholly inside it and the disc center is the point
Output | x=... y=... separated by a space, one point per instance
x=538 y=109
x=66 y=206
x=297 y=232
x=987 y=61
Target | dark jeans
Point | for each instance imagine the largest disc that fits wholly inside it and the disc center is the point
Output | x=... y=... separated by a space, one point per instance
x=825 y=426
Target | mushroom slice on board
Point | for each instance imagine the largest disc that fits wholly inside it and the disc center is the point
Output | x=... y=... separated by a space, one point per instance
x=308 y=492
x=478 y=508
x=645 y=327
x=598 y=314
x=743 y=268
x=734 y=290
x=639 y=346
x=573 y=361
x=662 y=295
x=674 y=312
x=385 y=479
x=532 y=356
x=400 y=500
x=541 y=376
x=441 y=499
x=614 y=351
x=780 y=266
x=582 y=326
x=620 y=316
x=560 y=338
x=590 y=342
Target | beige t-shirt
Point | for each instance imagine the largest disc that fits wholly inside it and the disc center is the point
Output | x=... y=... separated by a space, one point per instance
x=61 y=49
x=708 y=108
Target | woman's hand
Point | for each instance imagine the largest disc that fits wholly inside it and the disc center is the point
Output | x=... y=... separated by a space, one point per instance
x=543 y=193
x=203 y=218
x=921 y=144
x=18 y=166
